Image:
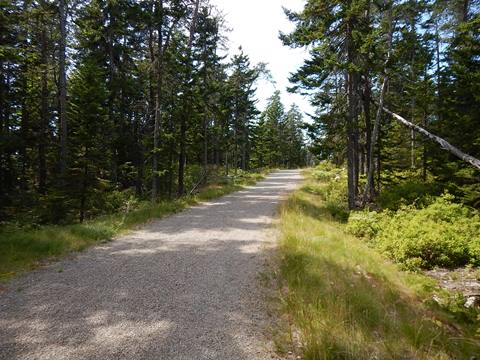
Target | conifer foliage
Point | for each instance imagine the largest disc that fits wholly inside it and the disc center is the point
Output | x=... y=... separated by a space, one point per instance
x=104 y=99
x=419 y=59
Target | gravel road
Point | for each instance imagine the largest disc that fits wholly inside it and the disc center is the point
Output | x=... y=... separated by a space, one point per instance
x=183 y=287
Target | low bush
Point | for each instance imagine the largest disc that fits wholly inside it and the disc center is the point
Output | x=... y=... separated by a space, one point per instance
x=339 y=299
x=442 y=233
x=409 y=192
x=333 y=190
x=24 y=246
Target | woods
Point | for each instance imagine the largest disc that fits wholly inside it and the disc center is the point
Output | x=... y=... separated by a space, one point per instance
x=419 y=59
x=363 y=228
x=102 y=99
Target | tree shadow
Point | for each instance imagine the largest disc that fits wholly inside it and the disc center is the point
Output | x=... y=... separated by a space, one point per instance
x=182 y=287
x=377 y=317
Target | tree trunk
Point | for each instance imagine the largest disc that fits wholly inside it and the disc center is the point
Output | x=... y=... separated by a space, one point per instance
x=369 y=192
x=83 y=197
x=182 y=157
x=205 y=148
x=62 y=85
x=351 y=125
x=183 y=125
x=367 y=98
x=112 y=113
x=42 y=134
x=156 y=62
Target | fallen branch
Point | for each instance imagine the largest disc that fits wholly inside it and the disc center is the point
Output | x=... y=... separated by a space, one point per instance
x=443 y=143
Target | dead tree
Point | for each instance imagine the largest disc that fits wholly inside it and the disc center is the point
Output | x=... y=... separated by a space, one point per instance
x=444 y=144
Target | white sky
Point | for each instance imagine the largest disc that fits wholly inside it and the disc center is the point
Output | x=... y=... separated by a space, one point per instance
x=255 y=26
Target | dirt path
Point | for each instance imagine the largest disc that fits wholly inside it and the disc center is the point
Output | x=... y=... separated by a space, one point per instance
x=184 y=287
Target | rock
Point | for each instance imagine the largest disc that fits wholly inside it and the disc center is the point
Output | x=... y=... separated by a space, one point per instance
x=472 y=301
x=437 y=299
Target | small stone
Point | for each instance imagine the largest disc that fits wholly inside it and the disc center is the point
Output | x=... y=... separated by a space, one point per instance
x=437 y=299
x=472 y=301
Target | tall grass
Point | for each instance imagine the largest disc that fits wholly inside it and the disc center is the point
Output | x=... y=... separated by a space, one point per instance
x=23 y=249
x=342 y=300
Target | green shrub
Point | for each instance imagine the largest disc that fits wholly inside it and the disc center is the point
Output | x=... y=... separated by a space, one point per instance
x=409 y=192
x=327 y=171
x=333 y=189
x=116 y=200
x=442 y=233
x=365 y=224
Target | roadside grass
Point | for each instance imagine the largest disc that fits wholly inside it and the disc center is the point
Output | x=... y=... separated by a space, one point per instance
x=340 y=299
x=23 y=249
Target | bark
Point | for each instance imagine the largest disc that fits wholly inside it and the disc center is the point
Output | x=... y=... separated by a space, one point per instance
x=413 y=105
x=369 y=192
x=367 y=98
x=352 y=130
x=157 y=63
x=205 y=147
x=83 y=198
x=370 y=186
x=442 y=142
x=235 y=152
x=158 y=73
x=112 y=114
x=139 y=155
x=183 y=124
x=62 y=85
x=42 y=161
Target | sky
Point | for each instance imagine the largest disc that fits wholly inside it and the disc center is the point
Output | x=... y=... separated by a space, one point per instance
x=255 y=25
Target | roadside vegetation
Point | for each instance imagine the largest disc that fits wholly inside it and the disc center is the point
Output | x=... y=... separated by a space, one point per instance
x=342 y=296
x=25 y=246
x=439 y=232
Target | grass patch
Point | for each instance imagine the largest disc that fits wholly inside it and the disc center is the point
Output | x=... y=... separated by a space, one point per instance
x=23 y=249
x=340 y=299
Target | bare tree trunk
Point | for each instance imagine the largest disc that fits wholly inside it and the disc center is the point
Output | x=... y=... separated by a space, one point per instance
x=352 y=120
x=235 y=152
x=183 y=124
x=42 y=162
x=62 y=84
x=226 y=163
x=442 y=142
x=83 y=197
x=370 y=187
x=367 y=98
x=424 y=153
x=205 y=148
x=413 y=105
x=108 y=16
x=156 y=133
x=369 y=192
x=157 y=61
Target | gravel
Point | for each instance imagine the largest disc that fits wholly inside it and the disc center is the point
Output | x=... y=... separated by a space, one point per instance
x=183 y=287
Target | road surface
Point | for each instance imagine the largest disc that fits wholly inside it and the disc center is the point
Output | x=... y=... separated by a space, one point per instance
x=182 y=287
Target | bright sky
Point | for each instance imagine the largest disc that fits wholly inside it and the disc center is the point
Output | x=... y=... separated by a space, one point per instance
x=255 y=26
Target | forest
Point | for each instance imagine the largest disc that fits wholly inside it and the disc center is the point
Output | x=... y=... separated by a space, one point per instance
x=104 y=100
x=121 y=113
x=373 y=62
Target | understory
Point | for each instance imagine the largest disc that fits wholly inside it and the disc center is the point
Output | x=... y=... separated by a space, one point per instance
x=342 y=297
x=24 y=247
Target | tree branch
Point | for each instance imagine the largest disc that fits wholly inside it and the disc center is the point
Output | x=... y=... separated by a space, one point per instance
x=443 y=143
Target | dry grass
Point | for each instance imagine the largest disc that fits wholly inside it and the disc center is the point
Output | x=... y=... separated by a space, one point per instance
x=342 y=300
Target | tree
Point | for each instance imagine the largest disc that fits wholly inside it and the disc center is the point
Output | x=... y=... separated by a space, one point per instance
x=333 y=30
